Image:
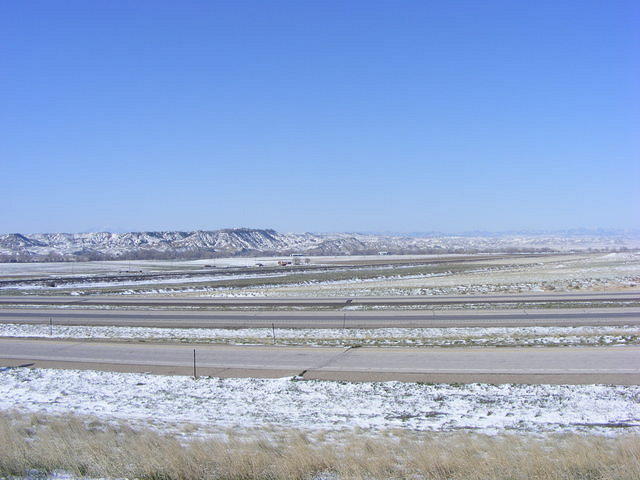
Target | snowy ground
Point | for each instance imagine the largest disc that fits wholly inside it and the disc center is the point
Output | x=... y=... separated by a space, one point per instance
x=512 y=275
x=599 y=335
x=211 y=282
x=504 y=275
x=208 y=405
x=114 y=266
x=138 y=282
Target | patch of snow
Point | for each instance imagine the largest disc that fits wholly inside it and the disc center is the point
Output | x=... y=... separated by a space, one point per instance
x=332 y=336
x=241 y=404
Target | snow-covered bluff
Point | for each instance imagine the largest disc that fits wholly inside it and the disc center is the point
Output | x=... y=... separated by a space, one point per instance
x=246 y=241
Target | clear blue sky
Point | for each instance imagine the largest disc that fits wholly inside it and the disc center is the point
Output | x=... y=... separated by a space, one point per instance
x=319 y=115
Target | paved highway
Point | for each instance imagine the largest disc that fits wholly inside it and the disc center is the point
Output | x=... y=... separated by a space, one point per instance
x=324 y=319
x=618 y=365
x=425 y=300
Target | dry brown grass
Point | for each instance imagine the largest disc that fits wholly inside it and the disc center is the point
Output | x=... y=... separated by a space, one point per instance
x=91 y=448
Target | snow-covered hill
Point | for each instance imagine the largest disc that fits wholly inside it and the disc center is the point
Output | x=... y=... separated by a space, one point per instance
x=246 y=241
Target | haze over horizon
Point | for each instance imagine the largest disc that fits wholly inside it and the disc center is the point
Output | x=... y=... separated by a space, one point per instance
x=320 y=116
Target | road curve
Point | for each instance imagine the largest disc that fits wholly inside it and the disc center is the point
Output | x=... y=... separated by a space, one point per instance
x=585 y=365
x=324 y=319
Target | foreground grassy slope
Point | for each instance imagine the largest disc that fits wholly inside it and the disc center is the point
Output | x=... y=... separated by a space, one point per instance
x=87 y=447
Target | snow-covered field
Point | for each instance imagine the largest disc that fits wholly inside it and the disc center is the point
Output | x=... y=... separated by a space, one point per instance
x=597 y=335
x=210 y=283
x=115 y=266
x=513 y=274
x=211 y=405
x=137 y=282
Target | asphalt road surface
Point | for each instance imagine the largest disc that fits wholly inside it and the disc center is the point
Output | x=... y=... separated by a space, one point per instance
x=327 y=302
x=585 y=365
x=324 y=319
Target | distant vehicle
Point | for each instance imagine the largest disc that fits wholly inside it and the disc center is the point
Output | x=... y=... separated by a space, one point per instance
x=259 y=264
x=283 y=263
x=297 y=254
x=383 y=253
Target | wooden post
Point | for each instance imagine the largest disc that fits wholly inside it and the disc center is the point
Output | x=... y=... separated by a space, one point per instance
x=273 y=331
x=50 y=327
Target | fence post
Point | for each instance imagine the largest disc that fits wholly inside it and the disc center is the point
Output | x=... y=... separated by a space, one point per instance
x=195 y=376
x=273 y=331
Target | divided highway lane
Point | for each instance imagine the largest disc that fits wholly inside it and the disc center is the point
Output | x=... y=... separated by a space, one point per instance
x=325 y=319
x=612 y=365
x=327 y=302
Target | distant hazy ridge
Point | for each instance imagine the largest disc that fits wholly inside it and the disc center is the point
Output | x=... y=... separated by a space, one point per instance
x=258 y=242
